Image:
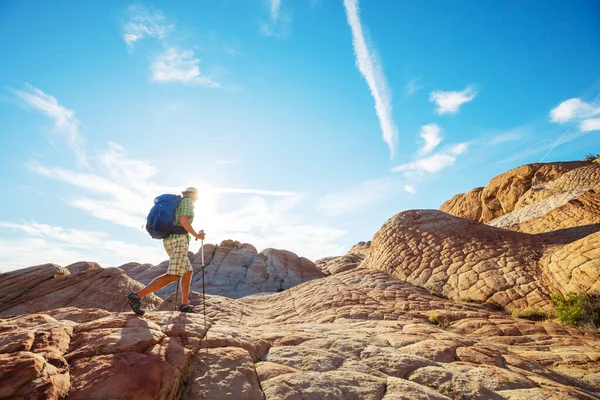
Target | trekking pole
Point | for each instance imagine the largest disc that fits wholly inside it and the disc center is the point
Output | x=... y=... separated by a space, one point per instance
x=176 y=295
x=203 y=287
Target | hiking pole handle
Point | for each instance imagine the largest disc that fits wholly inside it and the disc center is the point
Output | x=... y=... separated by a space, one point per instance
x=200 y=231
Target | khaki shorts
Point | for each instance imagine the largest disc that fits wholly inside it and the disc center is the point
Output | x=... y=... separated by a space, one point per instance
x=177 y=249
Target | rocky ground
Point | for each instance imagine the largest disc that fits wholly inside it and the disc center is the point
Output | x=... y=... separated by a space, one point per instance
x=420 y=312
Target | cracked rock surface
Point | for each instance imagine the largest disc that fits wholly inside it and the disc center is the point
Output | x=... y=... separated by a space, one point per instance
x=359 y=334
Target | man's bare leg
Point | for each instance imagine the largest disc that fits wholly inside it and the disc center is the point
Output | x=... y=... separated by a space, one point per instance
x=186 y=281
x=158 y=283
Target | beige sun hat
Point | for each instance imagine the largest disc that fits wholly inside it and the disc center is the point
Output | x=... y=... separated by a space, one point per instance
x=190 y=190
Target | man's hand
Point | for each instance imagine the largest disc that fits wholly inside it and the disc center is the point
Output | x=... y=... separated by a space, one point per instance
x=200 y=235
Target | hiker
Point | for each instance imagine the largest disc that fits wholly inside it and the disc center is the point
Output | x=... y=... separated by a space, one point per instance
x=176 y=246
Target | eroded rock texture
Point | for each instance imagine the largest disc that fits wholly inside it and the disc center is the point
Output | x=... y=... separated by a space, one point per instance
x=359 y=334
x=462 y=259
x=235 y=270
x=351 y=260
x=83 y=285
x=554 y=185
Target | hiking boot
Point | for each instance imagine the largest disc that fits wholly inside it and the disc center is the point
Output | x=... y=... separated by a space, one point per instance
x=136 y=303
x=187 y=308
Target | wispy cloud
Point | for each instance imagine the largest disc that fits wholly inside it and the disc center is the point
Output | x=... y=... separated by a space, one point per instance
x=47 y=243
x=571 y=109
x=369 y=66
x=410 y=189
x=65 y=122
x=590 y=124
x=121 y=190
x=365 y=193
x=280 y=20
x=505 y=137
x=170 y=64
x=276 y=193
x=275 y=6
x=144 y=23
x=434 y=163
x=450 y=102
x=413 y=86
x=175 y=65
x=431 y=134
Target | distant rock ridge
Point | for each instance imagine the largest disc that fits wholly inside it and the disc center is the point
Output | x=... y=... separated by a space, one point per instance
x=235 y=270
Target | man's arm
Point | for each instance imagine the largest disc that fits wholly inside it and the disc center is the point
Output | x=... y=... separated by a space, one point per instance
x=185 y=222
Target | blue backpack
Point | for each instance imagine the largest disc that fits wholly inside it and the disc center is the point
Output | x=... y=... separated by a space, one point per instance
x=160 y=222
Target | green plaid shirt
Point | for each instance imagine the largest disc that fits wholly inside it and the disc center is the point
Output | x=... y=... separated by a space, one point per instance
x=186 y=207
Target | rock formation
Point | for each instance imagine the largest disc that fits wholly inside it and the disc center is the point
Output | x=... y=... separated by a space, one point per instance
x=351 y=260
x=359 y=334
x=417 y=313
x=235 y=270
x=49 y=286
x=466 y=260
x=554 y=183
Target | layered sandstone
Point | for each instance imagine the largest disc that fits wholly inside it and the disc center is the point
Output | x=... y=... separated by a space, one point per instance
x=358 y=334
x=235 y=270
x=518 y=188
x=461 y=259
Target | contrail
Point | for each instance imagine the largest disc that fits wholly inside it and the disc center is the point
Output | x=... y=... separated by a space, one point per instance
x=368 y=64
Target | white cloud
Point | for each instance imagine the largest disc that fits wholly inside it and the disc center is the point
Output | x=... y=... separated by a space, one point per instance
x=458 y=149
x=65 y=122
x=431 y=134
x=450 y=102
x=413 y=86
x=280 y=21
x=410 y=189
x=590 y=124
x=275 y=6
x=572 y=109
x=179 y=66
x=45 y=243
x=364 y=194
x=123 y=188
x=434 y=163
x=170 y=64
x=279 y=193
x=143 y=23
x=369 y=66
x=504 y=137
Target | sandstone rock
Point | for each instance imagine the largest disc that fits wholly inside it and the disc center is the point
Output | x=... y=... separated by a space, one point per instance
x=123 y=375
x=359 y=334
x=351 y=260
x=503 y=193
x=461 y=260
x=571 y=215
x=82 y=266
x=236 y=270
x=224 y=373
x=49 y=286
x=465 y=260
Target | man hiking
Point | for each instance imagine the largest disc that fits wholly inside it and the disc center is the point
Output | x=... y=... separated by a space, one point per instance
x=176 y=246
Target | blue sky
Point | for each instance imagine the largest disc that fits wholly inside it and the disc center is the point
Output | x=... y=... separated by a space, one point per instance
x=305 y=124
